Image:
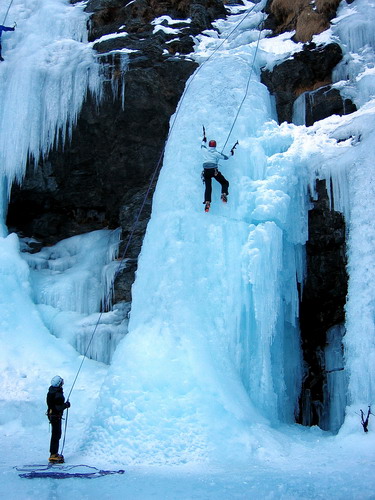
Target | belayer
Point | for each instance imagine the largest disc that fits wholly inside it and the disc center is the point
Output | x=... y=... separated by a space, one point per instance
x=56 y=406
x=4 y=28
x=211 y=171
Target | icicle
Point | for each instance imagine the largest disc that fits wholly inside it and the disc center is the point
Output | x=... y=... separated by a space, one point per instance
x=114 y=67
x=335 y=391
x=45 y=81
x=299 y=110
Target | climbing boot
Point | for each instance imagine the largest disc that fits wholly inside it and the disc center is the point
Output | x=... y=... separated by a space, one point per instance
x=224 y=198
x=56 y=459
x=207 y=206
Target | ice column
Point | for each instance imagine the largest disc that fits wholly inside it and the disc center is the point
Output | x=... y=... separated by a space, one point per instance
x=299 y=110
x=335 y=392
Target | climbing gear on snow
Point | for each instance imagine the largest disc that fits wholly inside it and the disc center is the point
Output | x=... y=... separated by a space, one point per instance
x=224 y=198
x=207 y=206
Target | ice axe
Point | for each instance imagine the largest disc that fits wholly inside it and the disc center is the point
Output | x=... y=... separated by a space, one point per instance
x=233 y=148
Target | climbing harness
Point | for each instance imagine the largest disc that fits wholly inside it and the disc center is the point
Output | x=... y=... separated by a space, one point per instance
x=152 y=180
x=7 y=12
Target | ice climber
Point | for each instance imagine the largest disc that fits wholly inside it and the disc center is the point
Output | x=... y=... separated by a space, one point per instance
x=211 y=159
x=4 y=28
x=56 y=406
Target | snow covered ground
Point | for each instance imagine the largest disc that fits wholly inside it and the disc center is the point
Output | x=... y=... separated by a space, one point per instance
x=304 y=465
x=199 y=397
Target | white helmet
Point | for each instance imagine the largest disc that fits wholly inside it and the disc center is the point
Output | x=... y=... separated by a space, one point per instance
x=57 y=381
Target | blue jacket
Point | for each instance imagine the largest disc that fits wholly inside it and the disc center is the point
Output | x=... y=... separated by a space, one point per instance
x=4 y=28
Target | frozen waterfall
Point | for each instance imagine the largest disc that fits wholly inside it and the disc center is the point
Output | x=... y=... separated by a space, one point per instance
x=213 y=347
x=211 y=368
x=213 y=350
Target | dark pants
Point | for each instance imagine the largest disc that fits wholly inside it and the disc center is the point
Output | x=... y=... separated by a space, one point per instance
x=56 y=434
x=1 y=59
x=208 y=174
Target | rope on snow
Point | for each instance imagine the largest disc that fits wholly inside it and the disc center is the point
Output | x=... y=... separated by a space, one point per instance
x=55 y=471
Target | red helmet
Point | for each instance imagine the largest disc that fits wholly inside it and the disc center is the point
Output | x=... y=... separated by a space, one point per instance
x=212 y=144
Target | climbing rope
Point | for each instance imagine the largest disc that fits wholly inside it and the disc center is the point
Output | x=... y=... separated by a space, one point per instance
x=65 y=426
x=247 y=88
x=152 y=179
x=206 y=61
x=59 y=471
x=6 y=15
x=119 y=267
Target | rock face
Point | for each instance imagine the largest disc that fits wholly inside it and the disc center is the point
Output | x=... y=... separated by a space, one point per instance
x=325 y=101
x=111 y=16
x=305 y=17
x=307 y=70
x=323 y=299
